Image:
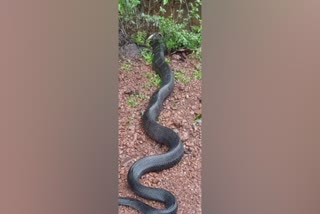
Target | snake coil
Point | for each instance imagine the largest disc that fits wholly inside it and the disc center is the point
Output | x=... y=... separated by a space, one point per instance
x=162 y=135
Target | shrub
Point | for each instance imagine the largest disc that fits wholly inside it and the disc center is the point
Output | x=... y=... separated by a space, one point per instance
x=178 y=32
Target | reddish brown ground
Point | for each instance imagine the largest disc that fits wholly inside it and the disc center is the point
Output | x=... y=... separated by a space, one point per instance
x=179 y=113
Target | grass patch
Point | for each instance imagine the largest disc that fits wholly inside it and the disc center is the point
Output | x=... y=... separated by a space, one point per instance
x=135 y=99
x=197 y=74
x=153 y=80
x=131 y=118
x=197 y=54
x=126 y=66
x=181 y=76
x=139 y=37
x=147 y=55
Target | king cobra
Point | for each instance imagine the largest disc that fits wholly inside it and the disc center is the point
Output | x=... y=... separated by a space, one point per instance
x=162 y=135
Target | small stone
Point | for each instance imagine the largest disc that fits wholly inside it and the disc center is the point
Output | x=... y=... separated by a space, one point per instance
x=129 y=145
x=187 y=150
x=135 y=136
x=177 y=124
x=189 y=144
x=184 y=136
x=122 y=171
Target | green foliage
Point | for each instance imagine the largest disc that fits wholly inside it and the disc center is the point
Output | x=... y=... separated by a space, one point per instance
x=197 y=74
x=141 y=19
x=181 y=76
x=140 y=37
x=176 y=34
x=135 y=99
x=126 y=66
x=127 y=9
x=130 y=119
x=147 y=55
x=198 y=117
x=197 y=53
x=154 y=80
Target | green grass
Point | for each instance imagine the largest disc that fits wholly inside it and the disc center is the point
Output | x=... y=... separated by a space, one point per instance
x=198 y=116
x=197 y=54
x=147 y=55
x=181 y=76
x=131 y=118
x=153 y=80
x=126 y=66
x=135 y=99
x=197 y=74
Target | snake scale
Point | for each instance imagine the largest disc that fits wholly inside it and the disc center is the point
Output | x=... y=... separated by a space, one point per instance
x=162 y=135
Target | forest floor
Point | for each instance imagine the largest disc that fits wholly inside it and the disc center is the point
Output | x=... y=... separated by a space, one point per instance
x=181 y=112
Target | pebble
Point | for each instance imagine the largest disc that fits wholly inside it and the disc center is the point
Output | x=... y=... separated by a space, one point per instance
x=187 y=150
x=189 y=144
x=184 y=136
x=135 y=136
x=177 y=123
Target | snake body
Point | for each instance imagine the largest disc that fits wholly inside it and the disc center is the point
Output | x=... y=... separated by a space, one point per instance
x=162 y=135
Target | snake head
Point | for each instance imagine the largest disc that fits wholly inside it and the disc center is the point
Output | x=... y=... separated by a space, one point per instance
x=154 y=39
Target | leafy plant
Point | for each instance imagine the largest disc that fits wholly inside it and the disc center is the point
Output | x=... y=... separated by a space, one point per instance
x=131 y=118
x=176 y=34
x=135 y=99
x=127 y=9
x=197 y=74
x=147 y=55
x=181 y=76
x=154 y=80
x=144 y=17
x=126 y=66
x=140 y=37
x=198 y=118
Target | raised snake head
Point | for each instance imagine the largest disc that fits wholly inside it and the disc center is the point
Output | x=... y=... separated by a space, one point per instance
x=154 y=39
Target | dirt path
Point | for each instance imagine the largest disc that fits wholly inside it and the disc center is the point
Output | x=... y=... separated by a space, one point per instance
x=136 y=83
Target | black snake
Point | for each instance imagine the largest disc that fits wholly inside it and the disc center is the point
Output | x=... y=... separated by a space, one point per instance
x=162 y=135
